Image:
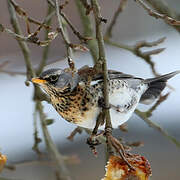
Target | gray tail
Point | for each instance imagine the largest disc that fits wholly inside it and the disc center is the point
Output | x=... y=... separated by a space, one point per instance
x=156 y=85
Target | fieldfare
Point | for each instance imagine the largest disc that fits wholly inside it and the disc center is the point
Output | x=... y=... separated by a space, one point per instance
x=78 y=96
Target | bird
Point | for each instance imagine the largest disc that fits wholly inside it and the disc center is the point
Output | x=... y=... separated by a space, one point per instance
x=78 y=95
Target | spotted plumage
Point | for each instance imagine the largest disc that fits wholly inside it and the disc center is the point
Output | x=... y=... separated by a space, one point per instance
x=76 y=96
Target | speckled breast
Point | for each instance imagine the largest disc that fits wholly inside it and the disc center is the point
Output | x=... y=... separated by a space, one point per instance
x=77 y=106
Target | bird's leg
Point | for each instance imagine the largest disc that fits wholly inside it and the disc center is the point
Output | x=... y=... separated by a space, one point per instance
x=119 y=148
x=93 y=141
x=112 y=141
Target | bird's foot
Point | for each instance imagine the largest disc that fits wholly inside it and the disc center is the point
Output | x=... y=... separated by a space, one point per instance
x=119 y=148
x=93 y=141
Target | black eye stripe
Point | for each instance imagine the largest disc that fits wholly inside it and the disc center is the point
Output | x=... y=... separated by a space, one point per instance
x=52 y=79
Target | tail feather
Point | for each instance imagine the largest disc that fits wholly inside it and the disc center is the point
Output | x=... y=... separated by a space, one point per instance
x=163 y=78
x=156 y=85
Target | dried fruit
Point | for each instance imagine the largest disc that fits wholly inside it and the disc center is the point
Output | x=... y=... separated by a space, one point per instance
x=117 y=169
x=3 y=160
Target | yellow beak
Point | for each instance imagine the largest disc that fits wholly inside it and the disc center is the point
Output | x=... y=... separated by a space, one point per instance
x=38 y=80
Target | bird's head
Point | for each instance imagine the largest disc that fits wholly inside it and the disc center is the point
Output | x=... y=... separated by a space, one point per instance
x=57 y=80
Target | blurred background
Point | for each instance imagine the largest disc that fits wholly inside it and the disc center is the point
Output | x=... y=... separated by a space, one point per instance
x=16 y=131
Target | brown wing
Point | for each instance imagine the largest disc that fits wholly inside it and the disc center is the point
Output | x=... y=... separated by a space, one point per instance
x=86 y=71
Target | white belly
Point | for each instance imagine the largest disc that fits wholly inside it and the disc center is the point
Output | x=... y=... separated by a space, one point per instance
x=123 y=98
x=120 y=97
x=117 y=118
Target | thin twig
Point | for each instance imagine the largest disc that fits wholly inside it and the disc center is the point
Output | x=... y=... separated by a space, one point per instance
x=46 y=48
x=121 y=7
x=32 y=38
x=88 y=30
x=75 y=31
x=159 y=101
x=72 y=159
x=102 y=62
x=64 y=34
x=61 y=168
x=154 y=125
x=21 y=12
x=61 y=29
x=74 y=132
x=23 y=45
x=146 y=56
x=31 y=73
x=25 y=50
x=37 y=139
x=163 y=7
x=151 y=12
x=17 y=36
x=93 y=141
x=136 y=49
x=46 y=20
x=87 y=6
x=11 y=73
x=123 y=127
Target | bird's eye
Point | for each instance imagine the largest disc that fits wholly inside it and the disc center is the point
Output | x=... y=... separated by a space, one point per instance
x=53 y=78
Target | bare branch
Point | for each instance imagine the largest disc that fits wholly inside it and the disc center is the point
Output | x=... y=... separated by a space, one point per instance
x=136 y=49
x=22 y=13
x=121 y=7
x=72 y=159
x=37 y=139
x=74 y=132
x=11 y=73
x=57 y=157
x=31 y=38
x=151 y=12
x=154 y=125
x=159 y=101
x=135 y=144
x=62 y=6
x=153 y=52
x=38 y=95
x=87 y=6
x=88 y=30
x=23 y=45
x=74 y=30
x=46 y=48
x=163 y=7
x=61 y=30
x=142 y=44
x=26 y=52
x=123 y=127
x=102 y=62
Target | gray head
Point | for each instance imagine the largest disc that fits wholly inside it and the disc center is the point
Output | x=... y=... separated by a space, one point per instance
x=57 y=79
